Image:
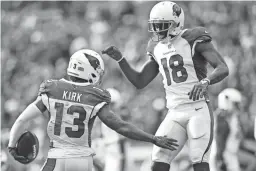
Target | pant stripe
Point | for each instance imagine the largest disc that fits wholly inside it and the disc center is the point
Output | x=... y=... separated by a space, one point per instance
x=49 y=165
x=211 y=130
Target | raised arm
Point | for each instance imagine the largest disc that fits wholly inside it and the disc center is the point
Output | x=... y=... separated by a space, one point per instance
x=126 y=129
x=139 y=79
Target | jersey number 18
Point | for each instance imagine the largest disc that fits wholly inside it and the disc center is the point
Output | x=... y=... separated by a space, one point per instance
x=177 y=65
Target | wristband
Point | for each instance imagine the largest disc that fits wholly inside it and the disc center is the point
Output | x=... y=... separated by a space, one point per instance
x=154 y=139
x=120 y=59
x=205 y=80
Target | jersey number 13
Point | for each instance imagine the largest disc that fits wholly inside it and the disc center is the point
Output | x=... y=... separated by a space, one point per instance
x=179 y=73
x=79 y=122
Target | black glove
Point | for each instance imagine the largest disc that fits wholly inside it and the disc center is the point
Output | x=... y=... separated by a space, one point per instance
x=13 y=152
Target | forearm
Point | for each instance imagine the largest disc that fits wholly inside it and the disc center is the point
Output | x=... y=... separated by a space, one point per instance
x=218 y=74
x=18 y=127
x=16 y=131
x=132 y=132
x=126 y=129
x=131 y=74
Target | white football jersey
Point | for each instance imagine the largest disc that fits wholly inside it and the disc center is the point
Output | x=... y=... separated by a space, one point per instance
x=179 y=64
x=73 y=109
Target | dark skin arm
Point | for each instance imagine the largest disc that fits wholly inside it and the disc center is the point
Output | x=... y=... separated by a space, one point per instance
x=220 y=71
x=139 y=79
x=213 y=57
x=126 y=129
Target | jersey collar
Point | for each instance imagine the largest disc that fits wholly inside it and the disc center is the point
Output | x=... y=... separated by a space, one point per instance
x=75 y=83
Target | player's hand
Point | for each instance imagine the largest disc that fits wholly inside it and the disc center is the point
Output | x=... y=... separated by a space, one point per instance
x=165 y=142
x=113 y=52
x=13 y=152
x=198 y=91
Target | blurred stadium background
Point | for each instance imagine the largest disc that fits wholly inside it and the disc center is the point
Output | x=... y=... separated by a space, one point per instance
x=37 y=39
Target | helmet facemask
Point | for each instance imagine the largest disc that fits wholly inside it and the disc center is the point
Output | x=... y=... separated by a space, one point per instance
x=96 y=80
x=161 y=28
x=166 y=20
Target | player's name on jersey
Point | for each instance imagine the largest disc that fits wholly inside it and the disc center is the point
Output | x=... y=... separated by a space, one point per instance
x=73 y=96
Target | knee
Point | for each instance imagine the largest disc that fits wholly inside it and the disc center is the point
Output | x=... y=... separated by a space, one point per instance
x=196 y=155
x=160 y=166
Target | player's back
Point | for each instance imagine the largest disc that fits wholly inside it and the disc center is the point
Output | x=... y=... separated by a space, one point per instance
x=73 y=108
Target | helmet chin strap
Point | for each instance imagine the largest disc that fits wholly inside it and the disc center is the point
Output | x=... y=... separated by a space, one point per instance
x=172 y=36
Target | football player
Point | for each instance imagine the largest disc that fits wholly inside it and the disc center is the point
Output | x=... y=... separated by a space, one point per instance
x=181 y=56
x=73 y=105
x=228 y=132
x=229 y=151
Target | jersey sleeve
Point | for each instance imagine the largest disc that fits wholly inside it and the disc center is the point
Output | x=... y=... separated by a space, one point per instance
x=45 y=90
x=196 y=35
x=44 y=87
x=103 y=98
x=150 y=49
x=103 y=95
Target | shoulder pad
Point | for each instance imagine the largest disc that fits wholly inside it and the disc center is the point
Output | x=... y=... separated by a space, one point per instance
x=150 y=48
x=198 y=34
x=102 y=94
x=46 y=86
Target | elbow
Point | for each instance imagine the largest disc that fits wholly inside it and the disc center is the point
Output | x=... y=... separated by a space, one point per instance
x=226 y=71
x=19 y=122
x=140 y=83
x=140 y=86
x=123 y=130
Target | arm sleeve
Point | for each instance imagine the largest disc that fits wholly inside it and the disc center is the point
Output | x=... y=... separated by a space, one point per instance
x=196 y=35
x=97 y=108
x=45 y=90
x=103 y=97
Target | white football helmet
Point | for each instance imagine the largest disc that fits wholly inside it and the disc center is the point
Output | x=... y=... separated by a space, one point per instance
x=86 y=64
x=228 y=97
x=166 y=18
